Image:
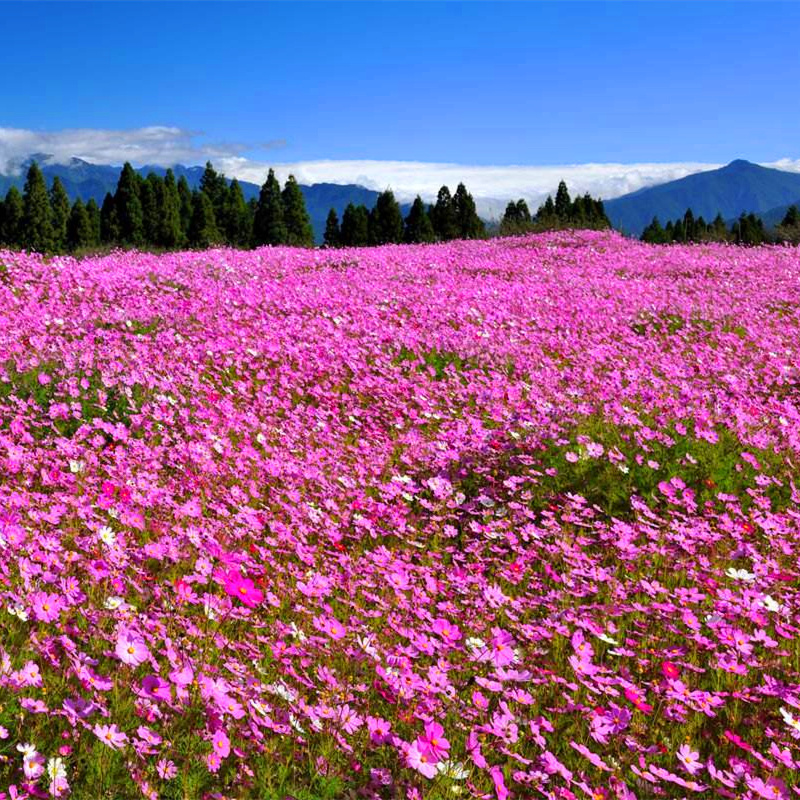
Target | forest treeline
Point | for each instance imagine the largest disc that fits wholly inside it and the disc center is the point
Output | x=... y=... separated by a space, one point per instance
x=748 y=229
x=156 y=212
x=563 y=212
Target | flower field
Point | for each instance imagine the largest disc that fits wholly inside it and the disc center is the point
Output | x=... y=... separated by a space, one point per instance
x=514 y=518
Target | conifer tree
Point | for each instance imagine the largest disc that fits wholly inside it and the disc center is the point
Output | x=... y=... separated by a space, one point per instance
x=298 y=224
x=470 y=225
x=129 y=207
x=237 y=217
x=385 y=220
x=150 y=194
x=186 y=205
x=215 y=186
x=654 y=233
x=332 y=234
x=418 y=227
x=443 y=216
x=59 y=205
x=109 y=221
x=93 y=212
x=203 y=228
x=546 y=214
x=268 y=225
x=355 y=226
x=37 y=225
x=170 y=232
x=79 y=227
x=13 y=211
x=563 y=204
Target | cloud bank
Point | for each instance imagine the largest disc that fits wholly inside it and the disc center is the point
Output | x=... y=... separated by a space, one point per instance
x=492 y=186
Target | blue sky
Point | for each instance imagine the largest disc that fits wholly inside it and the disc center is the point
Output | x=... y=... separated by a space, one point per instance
x=483 y=83
x=473 y=83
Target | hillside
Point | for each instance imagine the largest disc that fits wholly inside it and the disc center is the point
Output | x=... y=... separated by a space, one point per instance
x=739 y=186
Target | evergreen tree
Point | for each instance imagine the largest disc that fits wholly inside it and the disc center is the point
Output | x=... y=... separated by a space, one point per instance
x=37 y=225
x=13 y=212
x=470 y=225
x=791 y=218
x=186 y=205
x=93 y=212
x=59 y=206
x=150 y=194
x=654 y=233
x=298 y=224
x=563 y=204
x=546 y=215
x=355 y=226
x=216 y=187
x=718 y=230
x=443 y=216
x=578 y=213
x=268 y=225
x=109 y=221
x=332 y=235
x=203 y=227
x=169 y=229
x=238 y=219
x=418 y=227
x=386 y=220
x=79 y=227
x=129 y=207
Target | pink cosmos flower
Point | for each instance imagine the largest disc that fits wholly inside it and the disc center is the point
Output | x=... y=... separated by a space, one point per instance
x=500 y=788
x=450 y=633
x=420 y=761
x=131 y=648
x=379 y=730
x=213 y=762
x=433 y=743
x=47 y=607
x=156 y=688
x=221 y=744
x=500 y=650
x=243 y=589
x=690 y=759
x=110 y=735
x=670 y=670
x=166 y=769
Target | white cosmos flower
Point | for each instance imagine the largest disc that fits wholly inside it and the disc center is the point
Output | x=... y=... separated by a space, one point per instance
x=56 y=769
x=740 y=574
x=770 y=603
x=19 y=612
x=453 y=769
x=76 y=466
x=106 y=535
x=113 y=602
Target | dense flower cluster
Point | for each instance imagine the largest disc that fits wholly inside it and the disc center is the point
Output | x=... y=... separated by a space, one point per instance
x=496 y=519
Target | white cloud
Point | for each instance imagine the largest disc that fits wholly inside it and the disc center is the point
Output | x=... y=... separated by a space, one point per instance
x=492 y=186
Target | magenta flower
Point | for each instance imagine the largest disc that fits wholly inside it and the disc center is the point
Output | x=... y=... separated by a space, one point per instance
x=690 y=759
x=243 y=589
x=433 y=743
x=420 y=760
x=221 y=744
x=449 y=632
x=156 y=688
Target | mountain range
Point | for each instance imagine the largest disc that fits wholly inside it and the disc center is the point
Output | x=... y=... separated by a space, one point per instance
x=740 y=186
x=737 y=187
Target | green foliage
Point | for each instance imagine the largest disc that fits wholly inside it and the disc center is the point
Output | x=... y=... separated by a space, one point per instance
x=128 y=206
x=37 y=225
x=237 y=217
x=355 y=226
x=186 y=205
x=109 y=221
x=80 y=231
x=150 y=193
x=385 y=220
x=563 y=203
x=170 y=231
x=203 y=230
x=269 y=226
x=332 y=233
x=59 y=205
x=298 y=224
x=11 y=221
x=93 y=212
x=470 y=225
x=418 y=226
x=443 y=216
